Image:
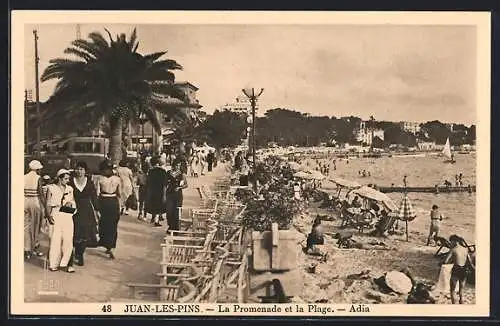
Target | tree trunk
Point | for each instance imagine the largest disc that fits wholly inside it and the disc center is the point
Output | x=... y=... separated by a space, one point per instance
x=115 y=141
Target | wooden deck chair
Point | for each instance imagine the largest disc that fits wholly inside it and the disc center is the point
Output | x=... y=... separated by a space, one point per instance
x=180 y=251
x=213 y=195
x=222 y=184
x=236 y=266
x=201 y=218
x=442 y=243
x=176 y=293
x=230 y=211
x=471 y=248
x=170 y=288
x=211 y=284
x=205 y=201
x=445 y=243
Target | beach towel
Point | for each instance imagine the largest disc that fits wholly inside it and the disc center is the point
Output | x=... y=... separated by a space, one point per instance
x=443 y=283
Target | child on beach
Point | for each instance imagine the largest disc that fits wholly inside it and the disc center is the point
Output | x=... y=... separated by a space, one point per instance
x=436 y=219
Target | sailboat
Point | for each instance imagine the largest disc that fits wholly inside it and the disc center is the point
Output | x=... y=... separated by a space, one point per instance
x=450 y=158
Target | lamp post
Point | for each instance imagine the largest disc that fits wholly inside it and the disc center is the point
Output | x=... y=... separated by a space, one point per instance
x=252 y=96
x=142 y=120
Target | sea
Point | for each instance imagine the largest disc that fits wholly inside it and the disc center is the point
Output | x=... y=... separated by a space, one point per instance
x=459 y=209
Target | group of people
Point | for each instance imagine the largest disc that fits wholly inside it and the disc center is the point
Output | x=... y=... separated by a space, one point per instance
x=199 y=162
x=241 y=168
x=80 y=212
x=160 y=191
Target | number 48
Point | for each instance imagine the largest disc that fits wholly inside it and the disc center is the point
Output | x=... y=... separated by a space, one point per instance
x=106 y=308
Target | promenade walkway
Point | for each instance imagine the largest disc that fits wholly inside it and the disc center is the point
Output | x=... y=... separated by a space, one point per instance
x=138 y=254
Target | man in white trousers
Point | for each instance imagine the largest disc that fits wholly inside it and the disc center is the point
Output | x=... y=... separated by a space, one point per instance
x=60 y=209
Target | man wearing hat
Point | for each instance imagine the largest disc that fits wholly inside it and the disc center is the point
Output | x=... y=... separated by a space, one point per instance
x=34 y=203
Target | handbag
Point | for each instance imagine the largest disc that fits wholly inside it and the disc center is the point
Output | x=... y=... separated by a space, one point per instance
x=131 y=202
x=65 y=209
x=68 y=210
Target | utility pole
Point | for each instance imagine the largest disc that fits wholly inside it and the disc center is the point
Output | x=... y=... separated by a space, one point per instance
x=26 y=118
x=37 y=91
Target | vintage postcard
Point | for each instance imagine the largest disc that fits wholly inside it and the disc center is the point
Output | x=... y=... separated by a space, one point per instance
x=315 y=164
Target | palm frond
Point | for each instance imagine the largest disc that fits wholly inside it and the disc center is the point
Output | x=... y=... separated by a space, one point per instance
x=111 y=41
x=132 y=41
x=168 y=89
x=167 y=64
x=156 y=75
x=89 y=47
x=154 y=56
x=59 y=68
x=80 y=54
x=98 y=39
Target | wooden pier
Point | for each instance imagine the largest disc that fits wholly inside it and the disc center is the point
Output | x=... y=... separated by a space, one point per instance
x=434 y=190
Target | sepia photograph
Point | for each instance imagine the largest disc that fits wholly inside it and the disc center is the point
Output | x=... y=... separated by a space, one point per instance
x=302 y=164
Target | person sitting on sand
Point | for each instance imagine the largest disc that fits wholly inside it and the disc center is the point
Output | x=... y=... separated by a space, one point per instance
x=350 y=243
x=420 y=294
x=458 y=256
x=316 y=237
x=356 y=203
x=436 y=219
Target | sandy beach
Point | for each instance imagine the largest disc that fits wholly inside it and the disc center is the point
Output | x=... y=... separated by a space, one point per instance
x=347 y=275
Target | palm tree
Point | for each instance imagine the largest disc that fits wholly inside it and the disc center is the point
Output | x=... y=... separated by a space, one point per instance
x=111 y=80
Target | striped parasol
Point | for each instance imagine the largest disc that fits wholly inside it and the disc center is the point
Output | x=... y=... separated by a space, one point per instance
x=406 y=212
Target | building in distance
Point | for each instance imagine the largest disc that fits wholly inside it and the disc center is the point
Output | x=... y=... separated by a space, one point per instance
x=410 y=126
x=240 y=105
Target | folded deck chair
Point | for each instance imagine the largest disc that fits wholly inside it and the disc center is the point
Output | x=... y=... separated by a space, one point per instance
x=442 y=243
x=445 y=243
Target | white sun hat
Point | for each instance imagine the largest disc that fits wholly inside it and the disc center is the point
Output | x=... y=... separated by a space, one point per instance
x=35 y=165
x=61 y=172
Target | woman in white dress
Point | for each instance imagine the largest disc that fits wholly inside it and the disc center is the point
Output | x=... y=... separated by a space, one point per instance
x=60 y=209
x=126 y=185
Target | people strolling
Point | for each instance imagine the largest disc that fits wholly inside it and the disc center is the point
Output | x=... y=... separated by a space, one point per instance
x=155 y=191
x=176 y=181
x=34 y=210
x=108 y=190
x=84 y=220
x=60 y=208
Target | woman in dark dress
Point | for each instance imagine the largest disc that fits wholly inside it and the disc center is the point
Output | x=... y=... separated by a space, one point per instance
x=155 y=191
x=176 y=181
x=85 y=226
x=108 y=190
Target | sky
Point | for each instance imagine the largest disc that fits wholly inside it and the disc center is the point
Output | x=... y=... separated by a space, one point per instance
x=391 y=72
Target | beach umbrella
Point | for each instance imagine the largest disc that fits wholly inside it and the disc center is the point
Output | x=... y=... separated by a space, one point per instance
x=303 y=175
x=295 y=166
x=317 y=175
x=345 y=183
x=406 y=212
x=372 y=194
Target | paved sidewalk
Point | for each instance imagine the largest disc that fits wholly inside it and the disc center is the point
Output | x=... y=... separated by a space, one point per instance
x=138 y=254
